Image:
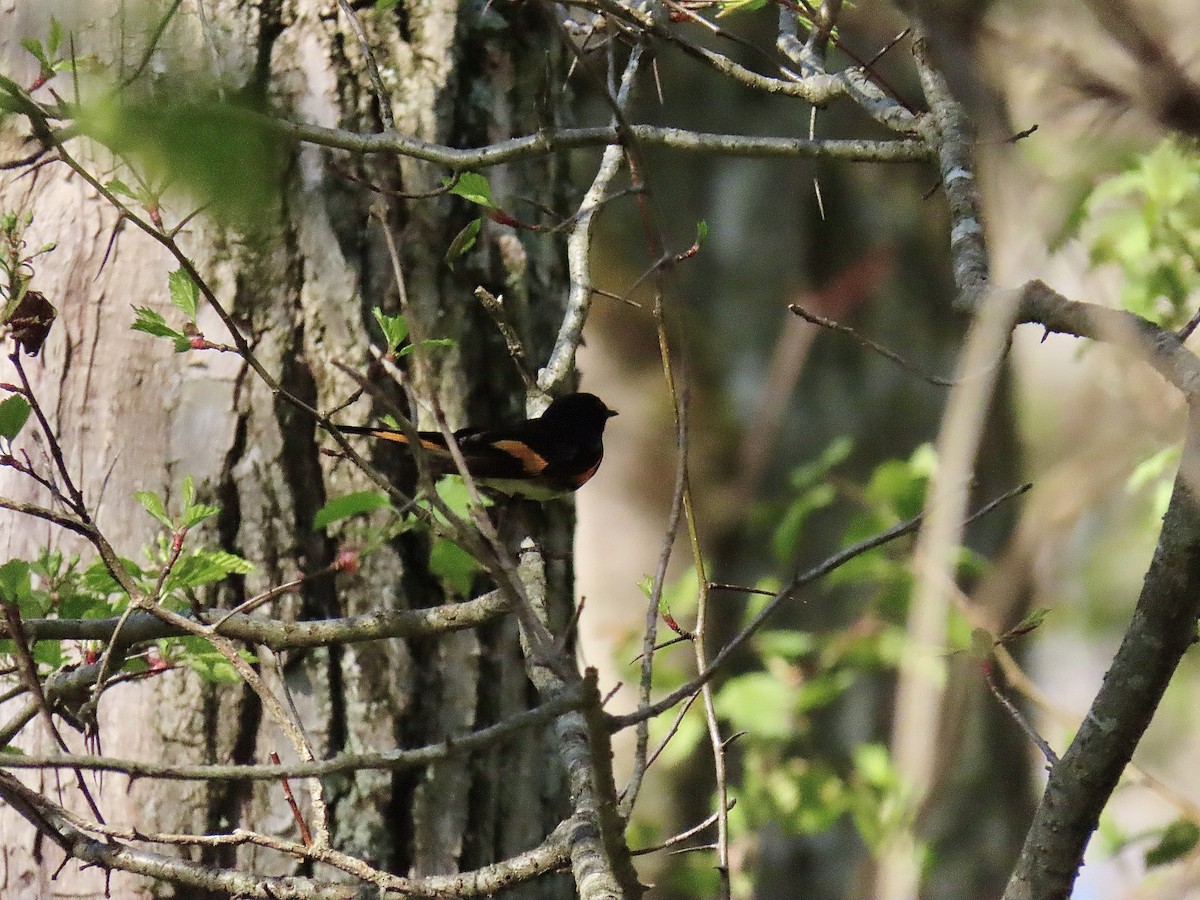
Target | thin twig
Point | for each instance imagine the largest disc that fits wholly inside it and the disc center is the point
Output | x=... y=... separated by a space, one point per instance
x=1017 y=716
x=579 y=296
x=830 y=564
x=682 y=836
x=640 y=759
x=305 y=834
x=381 y=95
x=495 y=308
x=870 y=345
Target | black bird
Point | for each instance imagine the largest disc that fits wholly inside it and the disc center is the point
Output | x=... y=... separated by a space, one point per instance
x=552 y=455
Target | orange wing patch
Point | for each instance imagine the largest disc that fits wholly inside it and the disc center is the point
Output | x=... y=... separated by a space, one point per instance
x=389 y=436
x=532 y=463
x=400 y=437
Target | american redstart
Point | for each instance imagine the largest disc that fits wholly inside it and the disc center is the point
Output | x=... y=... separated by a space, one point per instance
x=552 y=455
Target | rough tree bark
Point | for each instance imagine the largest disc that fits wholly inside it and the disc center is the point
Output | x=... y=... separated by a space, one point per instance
x=134 y=416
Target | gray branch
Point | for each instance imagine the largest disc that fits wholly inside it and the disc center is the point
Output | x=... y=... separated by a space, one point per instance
x=390 y=761
x=1162 y=629
x=551 y=140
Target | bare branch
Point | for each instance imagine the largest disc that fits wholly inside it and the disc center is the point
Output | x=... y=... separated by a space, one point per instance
x=389 y=761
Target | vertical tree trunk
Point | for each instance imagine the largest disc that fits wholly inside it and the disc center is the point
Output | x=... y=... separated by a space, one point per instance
x=134 y=416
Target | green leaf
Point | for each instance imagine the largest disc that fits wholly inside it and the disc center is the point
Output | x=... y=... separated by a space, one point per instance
x=821 y=690
x=349 y=505
x=1178 y=839
x=205 y=567
x=385 y=5
x=49 y=654
x=701 y=231
x=453 y=492
x=1032 y=621
x=463 y=241
x=811 y=473
x=874 y=765
x=760 y=703
x=681 y=748
x=56 y=33
x=471 y=186
x=184 y=293
x=15 y=584
x=99 y=580
x=14 y=412
x=899 y=485
x=394 y=328
x=34 y=46
x=453 y=565
x=786 y=644
x=201 y=657
x=120 y=188
x=431 y=344
x=185 y=136
x=153 y=504
x=729 y=7
x=153 y=323
x=787 y=535
x=196 y=513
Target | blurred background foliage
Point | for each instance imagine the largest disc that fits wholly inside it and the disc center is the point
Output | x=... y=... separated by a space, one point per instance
x=807 y=441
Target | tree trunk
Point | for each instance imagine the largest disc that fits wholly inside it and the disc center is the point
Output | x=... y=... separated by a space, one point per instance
x=132 y=415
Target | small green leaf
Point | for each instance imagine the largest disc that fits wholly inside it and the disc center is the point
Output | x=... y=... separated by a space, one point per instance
x=56 y=33
x=821 y=690
x=729 y=7
x=349 y=505
x=1031 y=622
x=205 y=567
x=49 y=654
x=453 y=564
x=1178 y=839
x=790 y=645
x=787 y=535
x=184 y=293
x=701 y=232
x=153 y=504
x=463 y=241
x=874 y=765
x=472 y=186
x=154 y=324
x=394 y=328
x=117 y=186
x=453 y=492
x=14 y=412
x=99 y=580
x=34 y=46
x=431 y=344
x=14 y=581
x=760 y=703
x=385 y=5
x=207 y=662
x=196 y=513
